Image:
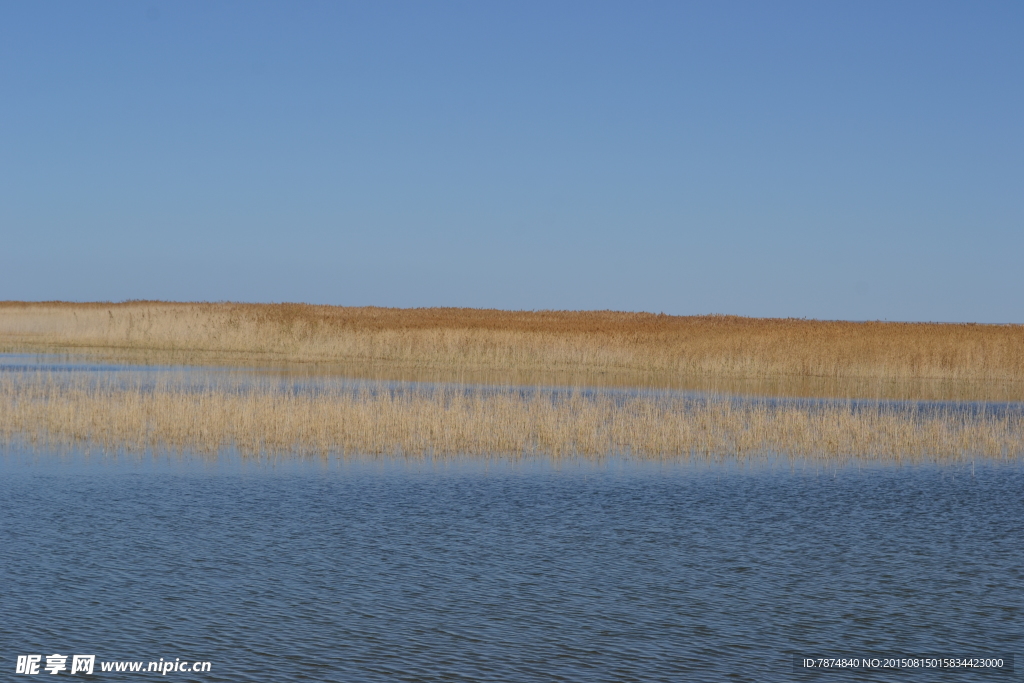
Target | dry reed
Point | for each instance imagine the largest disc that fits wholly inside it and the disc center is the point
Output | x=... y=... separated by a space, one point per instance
x=461 y=339
x=77 y=411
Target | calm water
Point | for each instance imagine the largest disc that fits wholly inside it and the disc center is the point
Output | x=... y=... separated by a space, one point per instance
x=383 y=571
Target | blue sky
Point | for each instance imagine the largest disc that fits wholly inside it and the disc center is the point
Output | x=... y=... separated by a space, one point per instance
x=827 y=160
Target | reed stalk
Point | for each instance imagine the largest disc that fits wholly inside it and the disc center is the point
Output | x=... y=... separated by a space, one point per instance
x=115 y=414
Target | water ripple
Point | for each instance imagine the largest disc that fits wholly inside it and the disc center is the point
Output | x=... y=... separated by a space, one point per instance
x=382 y=572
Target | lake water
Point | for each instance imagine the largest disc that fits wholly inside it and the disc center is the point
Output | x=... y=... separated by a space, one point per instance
x=471 y=570
x=401 y=570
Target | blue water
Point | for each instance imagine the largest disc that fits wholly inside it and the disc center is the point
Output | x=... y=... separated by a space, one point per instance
x=468 y=571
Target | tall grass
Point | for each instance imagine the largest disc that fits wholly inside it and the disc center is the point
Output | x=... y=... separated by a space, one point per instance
x=70 y=410
x=720 y=346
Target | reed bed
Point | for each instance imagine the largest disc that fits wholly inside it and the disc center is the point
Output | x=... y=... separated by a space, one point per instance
x=549 y=341
x=114 y=414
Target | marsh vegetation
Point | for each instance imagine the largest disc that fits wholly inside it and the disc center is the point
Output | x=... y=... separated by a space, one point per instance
x=633 y=345
x=119 y=413
x=613 y=383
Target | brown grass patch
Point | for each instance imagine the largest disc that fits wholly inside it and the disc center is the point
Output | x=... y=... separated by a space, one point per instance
x=116 y=414
x=658 y=347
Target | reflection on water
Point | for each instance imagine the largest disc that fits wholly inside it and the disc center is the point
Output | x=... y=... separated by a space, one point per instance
x=790 y=387
x=382 y=570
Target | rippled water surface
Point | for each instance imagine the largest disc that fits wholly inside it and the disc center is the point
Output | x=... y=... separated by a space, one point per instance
x=395 y=570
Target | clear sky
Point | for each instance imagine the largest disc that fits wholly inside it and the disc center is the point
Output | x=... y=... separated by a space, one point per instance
x=850 y=160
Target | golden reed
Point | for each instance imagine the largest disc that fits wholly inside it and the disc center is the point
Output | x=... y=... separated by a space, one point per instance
x=119 y=414
x=467 y=339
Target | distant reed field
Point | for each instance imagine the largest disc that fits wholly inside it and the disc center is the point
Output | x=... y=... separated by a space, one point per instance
x=550 y=341
x=120 y=414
